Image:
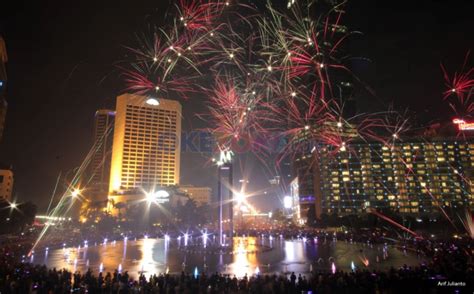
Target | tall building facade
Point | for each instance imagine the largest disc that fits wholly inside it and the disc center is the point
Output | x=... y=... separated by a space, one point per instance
x=3 y=85
x=6 y=184
x=101 y=162
x=146 y=146
x=418 y=176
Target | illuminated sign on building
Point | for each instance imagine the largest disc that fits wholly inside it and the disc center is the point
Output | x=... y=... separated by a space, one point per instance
x=463 y=125
x=158 y=197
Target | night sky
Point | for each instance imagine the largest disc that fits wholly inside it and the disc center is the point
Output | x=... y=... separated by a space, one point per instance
x=63 y=57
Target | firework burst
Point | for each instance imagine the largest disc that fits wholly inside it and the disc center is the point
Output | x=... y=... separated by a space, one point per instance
x=460 y=89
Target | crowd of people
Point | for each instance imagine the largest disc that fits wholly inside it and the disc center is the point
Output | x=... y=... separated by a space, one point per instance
x=28 y=278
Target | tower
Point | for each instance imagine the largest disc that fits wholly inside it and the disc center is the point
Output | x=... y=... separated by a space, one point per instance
x=100 y=165
x=225 y=196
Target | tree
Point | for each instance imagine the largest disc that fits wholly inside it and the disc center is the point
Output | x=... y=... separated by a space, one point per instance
x=120 y=206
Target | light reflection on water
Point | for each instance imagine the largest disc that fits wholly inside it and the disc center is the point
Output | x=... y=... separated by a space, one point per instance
x=154 y=256
x=245 y=257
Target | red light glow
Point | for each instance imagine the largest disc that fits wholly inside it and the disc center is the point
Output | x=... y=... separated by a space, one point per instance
x=463 y=125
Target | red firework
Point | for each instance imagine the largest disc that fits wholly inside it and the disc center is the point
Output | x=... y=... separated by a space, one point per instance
x=300 y=118
x=200 y=14
x=461 y=84
x=236 y=115
x=141 y=82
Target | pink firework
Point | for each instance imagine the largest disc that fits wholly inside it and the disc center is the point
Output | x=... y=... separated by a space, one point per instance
x=300 y=118
x=200 y=14
x=461 y=84
x=236 y=115
x=138 y=80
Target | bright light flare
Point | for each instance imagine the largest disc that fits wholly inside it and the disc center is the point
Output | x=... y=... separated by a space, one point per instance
x=287 y=202
x=240 y=197
x=75 y=193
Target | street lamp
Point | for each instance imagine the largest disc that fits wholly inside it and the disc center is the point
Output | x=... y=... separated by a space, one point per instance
x=239 y=197
x=75 y=193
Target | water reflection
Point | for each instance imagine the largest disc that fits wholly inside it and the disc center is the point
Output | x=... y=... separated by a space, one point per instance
x=147 y=262
x=245 y=259
x=294 y=251
x=247 y=256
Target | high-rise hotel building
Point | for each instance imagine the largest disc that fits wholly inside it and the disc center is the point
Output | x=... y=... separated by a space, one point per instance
x=416 y=176
x=146 y=146
x=101 y=162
